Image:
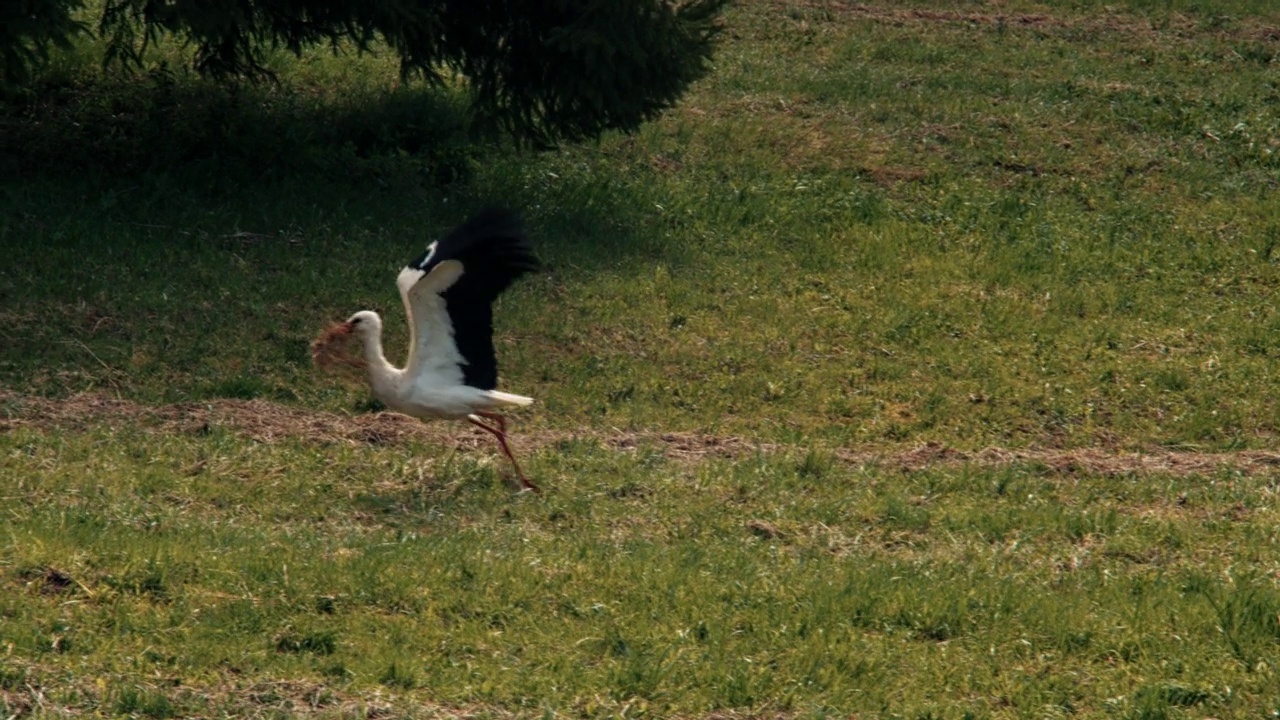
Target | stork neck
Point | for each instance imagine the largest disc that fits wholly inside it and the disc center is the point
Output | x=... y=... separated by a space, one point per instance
x=374 y=355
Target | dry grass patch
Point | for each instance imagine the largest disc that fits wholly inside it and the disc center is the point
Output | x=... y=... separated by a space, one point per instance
x=269 y=422
x=1108 y=20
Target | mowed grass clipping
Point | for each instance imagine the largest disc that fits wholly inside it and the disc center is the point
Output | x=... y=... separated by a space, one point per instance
x=872 y=227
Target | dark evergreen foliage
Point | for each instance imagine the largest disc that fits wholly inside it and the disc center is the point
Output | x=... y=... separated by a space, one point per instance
x=29 y=29
x=575 y=67
x=544 y=70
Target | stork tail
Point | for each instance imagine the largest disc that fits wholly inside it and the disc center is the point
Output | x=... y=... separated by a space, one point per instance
x=508 y=399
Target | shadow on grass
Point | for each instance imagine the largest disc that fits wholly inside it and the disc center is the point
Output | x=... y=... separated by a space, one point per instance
x=192 y=142
x=157 y=228
x=214 y=135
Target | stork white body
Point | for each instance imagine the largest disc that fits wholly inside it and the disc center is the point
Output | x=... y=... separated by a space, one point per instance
x=426 y=390
x=451 y=371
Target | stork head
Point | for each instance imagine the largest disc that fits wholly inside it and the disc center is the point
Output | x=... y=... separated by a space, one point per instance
x=364 y=324
x=329 y=351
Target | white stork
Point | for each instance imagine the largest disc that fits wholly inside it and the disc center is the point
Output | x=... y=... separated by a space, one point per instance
x=448 y=291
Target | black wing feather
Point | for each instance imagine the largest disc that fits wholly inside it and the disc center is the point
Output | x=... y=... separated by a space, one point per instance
x=494 y=252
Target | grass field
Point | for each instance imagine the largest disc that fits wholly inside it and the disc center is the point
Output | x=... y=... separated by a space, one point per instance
x=919 y=364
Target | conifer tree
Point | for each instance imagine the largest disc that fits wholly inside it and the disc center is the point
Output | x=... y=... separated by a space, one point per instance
x=29 y=29
x=544 y=70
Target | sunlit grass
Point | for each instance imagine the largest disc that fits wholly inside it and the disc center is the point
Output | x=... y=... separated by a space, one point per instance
x=782 y=583
x=871 y=227
x=856 y=230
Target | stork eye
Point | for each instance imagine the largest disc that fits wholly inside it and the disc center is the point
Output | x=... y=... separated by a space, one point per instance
x=355 y=321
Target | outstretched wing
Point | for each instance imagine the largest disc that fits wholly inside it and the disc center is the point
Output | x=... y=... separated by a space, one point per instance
x=449 y=291
x=432 y=349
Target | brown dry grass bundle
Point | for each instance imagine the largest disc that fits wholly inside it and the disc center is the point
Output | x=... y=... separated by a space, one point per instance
x=336 y=350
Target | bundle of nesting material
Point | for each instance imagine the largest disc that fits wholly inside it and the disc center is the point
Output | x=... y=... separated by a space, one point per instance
x=336 y=350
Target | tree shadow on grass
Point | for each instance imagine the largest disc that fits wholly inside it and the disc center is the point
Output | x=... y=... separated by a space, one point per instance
x=413 y=152
x=217 y=137
x=186 y=235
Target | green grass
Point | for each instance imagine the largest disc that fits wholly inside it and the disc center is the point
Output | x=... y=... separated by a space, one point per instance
x=857 y=230
x=871 y=227
x=203 y=564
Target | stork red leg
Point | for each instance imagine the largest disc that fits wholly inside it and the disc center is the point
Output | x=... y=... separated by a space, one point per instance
x=500 y=433
x=502 y=421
